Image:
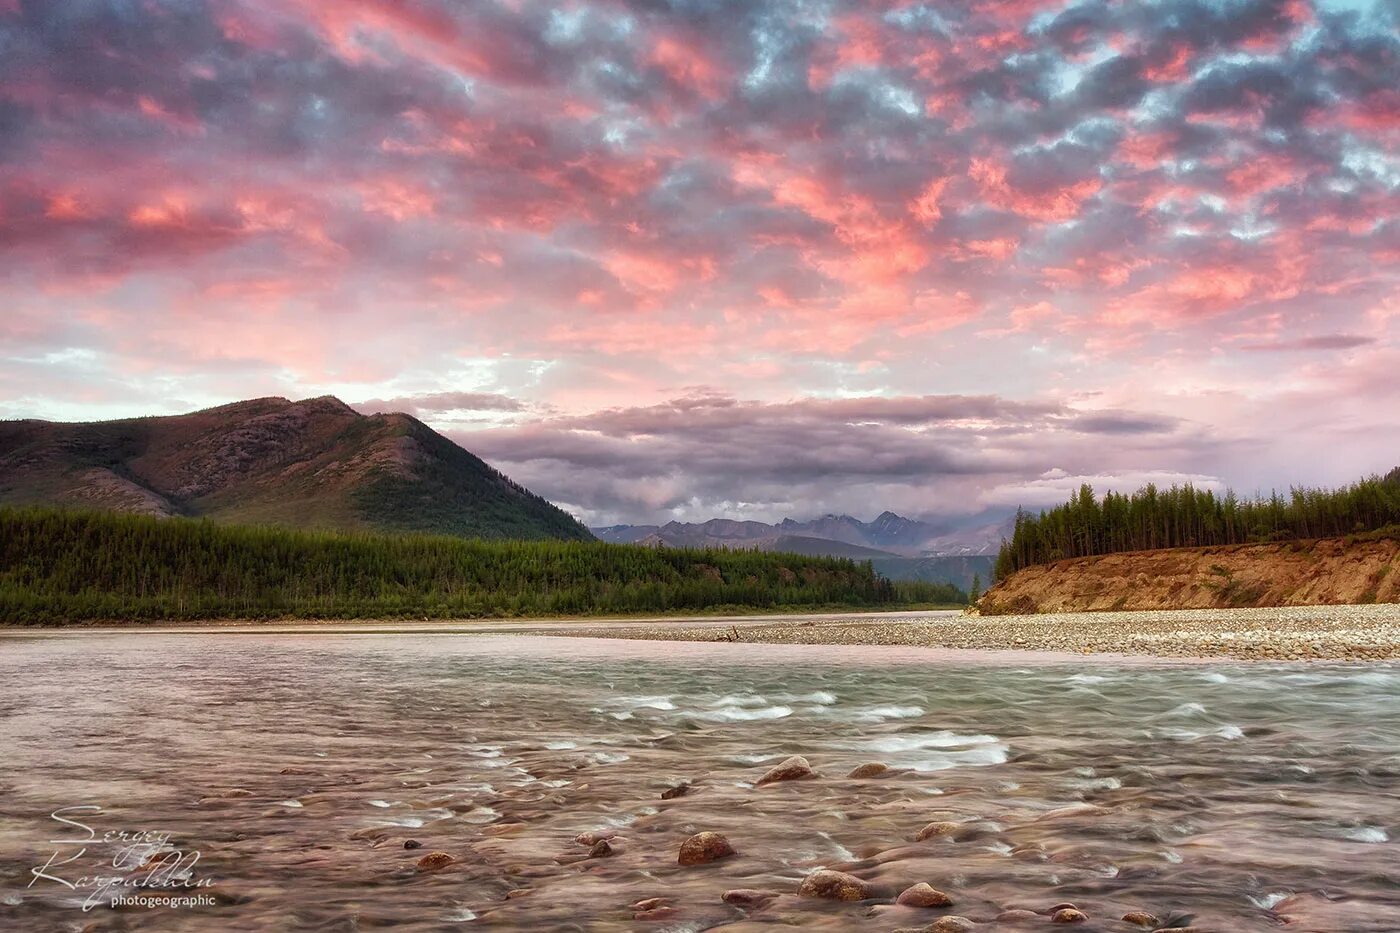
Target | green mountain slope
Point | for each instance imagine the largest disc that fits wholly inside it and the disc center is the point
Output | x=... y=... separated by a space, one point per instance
x=311 y=464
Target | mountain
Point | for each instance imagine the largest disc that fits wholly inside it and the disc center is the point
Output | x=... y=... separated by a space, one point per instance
x=900 y=548
x=889 y=535
x=311 y=464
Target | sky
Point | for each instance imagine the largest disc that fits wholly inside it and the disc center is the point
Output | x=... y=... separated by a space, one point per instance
x=682 y=259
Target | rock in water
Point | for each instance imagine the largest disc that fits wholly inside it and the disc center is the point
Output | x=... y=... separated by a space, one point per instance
x=949 y=925
x=795 y=768
x=1142 y=918
x=435 y=860
x=923 y=895
x=873 y=769
x=704 y=847
x=412 y=844
x=603 y=848
x=937 y=830
x=650 y=903
x=680 y=790
x=747 y=897
x=1017 y=915
x=1069 y=915
x=835 y=886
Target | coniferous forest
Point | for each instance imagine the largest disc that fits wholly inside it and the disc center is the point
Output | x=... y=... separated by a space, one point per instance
x=1184 y=516
x=63 y=566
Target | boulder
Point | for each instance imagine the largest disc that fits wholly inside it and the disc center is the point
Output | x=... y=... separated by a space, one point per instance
x=704 y=847
x=795 y=768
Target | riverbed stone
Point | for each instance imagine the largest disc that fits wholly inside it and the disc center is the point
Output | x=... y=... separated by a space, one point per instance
x=795 y=768
x=651 y=903
x=835 y=886
x=950 y=924
x=869 y=770
x=593 y=837
x=434 y=861
x=704 y=847
x=938 y=829
x=604 y=848
x=680 y=790
x=923 y=895
x=1142 y=918
x=747 y=897
x=412 y=844
x=1068 y=915
x=1017 y=915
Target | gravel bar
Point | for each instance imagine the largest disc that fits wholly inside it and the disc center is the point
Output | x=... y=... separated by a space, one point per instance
x=1294 y=633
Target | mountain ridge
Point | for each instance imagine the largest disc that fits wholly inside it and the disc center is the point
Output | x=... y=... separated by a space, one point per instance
x=314 y=463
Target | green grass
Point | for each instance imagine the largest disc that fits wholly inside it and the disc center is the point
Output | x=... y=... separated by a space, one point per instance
x=69 y=566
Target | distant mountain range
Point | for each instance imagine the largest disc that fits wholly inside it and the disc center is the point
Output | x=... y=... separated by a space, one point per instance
x=900 y=548
x=309 y=464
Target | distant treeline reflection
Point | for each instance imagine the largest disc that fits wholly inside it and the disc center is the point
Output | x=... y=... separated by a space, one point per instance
x=1184 y=516
x=61 y=566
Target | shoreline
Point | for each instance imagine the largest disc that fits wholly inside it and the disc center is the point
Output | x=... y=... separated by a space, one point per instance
x=1312 y=633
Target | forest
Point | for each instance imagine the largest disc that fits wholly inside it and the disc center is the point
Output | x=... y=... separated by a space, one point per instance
x=1184 y=516
x=66 y=566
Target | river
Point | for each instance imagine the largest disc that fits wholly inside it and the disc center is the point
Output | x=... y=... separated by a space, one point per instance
x=275 y=780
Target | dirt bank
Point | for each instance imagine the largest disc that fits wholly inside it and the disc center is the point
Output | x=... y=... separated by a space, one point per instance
x=1322 y=572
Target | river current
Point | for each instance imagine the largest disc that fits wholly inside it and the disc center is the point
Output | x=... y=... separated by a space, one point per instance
x=273 y=782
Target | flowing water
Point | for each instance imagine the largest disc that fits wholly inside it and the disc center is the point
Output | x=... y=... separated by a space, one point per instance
x=276 y=779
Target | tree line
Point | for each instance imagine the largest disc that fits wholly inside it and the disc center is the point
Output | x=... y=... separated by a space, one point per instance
x=62 y=566
x=1184 y=516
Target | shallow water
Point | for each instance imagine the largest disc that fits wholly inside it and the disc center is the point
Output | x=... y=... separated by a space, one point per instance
x=294 y=768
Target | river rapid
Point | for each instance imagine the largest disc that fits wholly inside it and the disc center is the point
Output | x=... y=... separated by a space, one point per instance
x=272 y=782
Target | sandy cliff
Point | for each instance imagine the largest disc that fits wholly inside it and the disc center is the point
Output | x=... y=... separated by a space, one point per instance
x=1327 y=571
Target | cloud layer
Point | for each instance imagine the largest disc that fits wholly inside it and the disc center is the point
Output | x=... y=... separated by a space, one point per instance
x=722 y=255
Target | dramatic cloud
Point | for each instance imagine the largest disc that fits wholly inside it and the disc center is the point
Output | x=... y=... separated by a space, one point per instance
x=925 y=251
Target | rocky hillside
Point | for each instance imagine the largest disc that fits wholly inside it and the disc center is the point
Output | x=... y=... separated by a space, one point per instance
x=1325 y=571
x=310 y=464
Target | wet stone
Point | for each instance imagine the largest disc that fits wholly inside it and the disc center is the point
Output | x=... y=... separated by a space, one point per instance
x=1068 y=915
x=680 y=790
x=412 y=844
x=604 y=848
x=1141 y=918
x=1016 y=916
x=835 y=886
x=949 y=925
x=591 y=839
x=704 y=847
x=795 y=768
x=434 y=861
x=747 y=897
x=937 y=830
x=869 y=770
x=923 y=895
